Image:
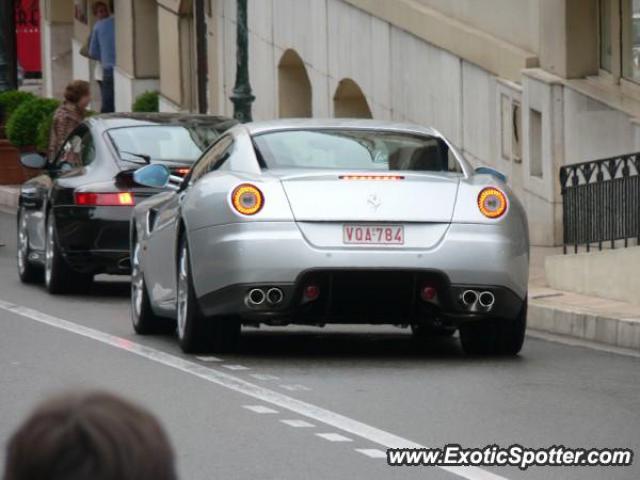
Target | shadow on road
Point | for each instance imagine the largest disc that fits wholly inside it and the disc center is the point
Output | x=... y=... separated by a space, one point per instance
x=331 y=345
x=116 y=289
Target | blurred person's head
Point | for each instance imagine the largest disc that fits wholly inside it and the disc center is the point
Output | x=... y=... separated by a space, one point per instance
x=100 y=10
x=78 y=93
x=95 y=436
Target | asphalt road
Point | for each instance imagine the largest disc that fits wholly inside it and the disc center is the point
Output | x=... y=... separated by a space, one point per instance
x=230 y=417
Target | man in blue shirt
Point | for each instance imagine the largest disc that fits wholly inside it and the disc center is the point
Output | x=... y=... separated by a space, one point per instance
x=103 y=49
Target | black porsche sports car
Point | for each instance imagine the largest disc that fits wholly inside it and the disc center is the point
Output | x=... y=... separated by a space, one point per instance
x=73 y=219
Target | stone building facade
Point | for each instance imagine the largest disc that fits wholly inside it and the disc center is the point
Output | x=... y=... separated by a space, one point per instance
x=525 y=86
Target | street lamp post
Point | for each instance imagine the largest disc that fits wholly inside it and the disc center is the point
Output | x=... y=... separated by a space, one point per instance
x=8 y=64
x=242 y=97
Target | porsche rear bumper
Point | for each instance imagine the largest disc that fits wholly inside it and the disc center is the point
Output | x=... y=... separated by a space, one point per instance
x=228 y=260
x=94 y=239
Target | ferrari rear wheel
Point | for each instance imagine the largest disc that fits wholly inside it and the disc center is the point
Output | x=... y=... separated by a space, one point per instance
x=29 y=273
x=196 y=333
x=143 y=319
x=497 y=338
x=58 y=276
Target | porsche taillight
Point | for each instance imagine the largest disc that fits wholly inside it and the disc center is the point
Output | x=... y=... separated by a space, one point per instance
x=247 y=199
x=104 y=199
x=492 y=202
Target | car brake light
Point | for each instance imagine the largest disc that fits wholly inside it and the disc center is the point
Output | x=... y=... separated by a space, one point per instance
x=247 y=199
x=181 y=171
x=110 y=199
x=492 y=202
x=371 y=177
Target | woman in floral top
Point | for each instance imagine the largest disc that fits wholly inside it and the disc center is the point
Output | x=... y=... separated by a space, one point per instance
x=69 y=115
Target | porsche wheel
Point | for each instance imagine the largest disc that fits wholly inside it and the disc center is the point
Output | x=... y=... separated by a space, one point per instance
x=197 y=333
x=58 y=276
x=498 y=338
x=28 y=272
x=144 y=321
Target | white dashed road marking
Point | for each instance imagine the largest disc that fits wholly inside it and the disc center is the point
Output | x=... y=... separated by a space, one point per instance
x=298 y=423
x=209 y=359
x=334 y=437
x=372 y=452
x=235 y=367
x=295 y=388
x=260 y=409
x=264 y=376
x=237 y=384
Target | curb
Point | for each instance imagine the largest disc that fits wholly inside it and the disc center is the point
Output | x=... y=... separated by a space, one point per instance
x=600 y=327
x=9 y=196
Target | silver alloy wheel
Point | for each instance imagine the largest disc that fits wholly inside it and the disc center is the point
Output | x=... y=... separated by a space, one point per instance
x=137 y=284
x=49 y=252
x=183 y=290
x=23 y=244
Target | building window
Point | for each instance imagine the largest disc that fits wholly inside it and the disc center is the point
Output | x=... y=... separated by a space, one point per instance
x=619 y=34
x=505 y=111
x=294 y=87
x=80 y=11
x=631 y=40
x=606 y=52
x=535 y=145
x=516 y=148
x=349 y=101
x=510 y=129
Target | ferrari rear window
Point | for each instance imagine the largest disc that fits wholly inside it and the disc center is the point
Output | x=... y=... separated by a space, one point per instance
x=338 y=149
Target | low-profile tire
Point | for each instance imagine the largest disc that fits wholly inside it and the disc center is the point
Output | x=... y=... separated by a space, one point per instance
x=424 y=331
x=143 y=319
x=496 y=338
x=27 y=270
x=58 y=276
x=197 y=333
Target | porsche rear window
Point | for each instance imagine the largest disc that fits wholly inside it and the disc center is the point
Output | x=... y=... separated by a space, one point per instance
x=355 y=150
x=162 y=142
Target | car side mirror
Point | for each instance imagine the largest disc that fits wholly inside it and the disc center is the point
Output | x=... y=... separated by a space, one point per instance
x=154 y=176
x=33 y=160
x=493 y=172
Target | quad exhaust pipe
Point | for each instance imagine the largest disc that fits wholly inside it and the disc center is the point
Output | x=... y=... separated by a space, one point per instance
x=274 y=296
x=478 y=301
x=469 y=298
x=258 y=296
x=486 y=300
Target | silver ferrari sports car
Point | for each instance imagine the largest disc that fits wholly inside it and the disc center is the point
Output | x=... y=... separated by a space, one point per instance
x=336 y=221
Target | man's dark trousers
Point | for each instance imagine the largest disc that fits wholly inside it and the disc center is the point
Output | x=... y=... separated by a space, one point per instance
x=106 y=90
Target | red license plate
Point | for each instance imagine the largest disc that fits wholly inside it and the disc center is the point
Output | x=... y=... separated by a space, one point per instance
x=373 y=234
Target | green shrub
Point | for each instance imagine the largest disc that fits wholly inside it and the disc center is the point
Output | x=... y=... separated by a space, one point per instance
x=23 y=127
x=44 y=133
x=12 y=99
x=146 y=102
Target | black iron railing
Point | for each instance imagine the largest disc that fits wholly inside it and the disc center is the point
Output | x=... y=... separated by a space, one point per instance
x=601 y=202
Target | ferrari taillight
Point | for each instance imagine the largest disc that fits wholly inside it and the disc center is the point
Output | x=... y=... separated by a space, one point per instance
x=492 y=202
x=104 y=199
x=247 y=199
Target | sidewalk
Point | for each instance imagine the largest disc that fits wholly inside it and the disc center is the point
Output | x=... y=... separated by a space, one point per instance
x=9 y=196
x=584 y=317
x=594 y=319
